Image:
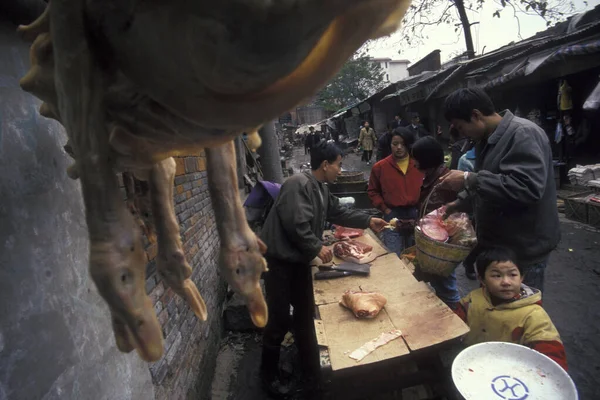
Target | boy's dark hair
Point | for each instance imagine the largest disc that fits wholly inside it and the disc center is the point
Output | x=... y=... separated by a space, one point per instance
x=461 y=103
x=323 y=151
x=428 y=153
x=495 y=254
x=407 y=136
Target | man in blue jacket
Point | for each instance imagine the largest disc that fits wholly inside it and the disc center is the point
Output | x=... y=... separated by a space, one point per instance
x=512 y=189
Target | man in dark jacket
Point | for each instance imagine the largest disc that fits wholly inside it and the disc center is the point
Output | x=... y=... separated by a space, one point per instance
x=417 y=128
x=293 y=234
x=512 y=189
x=384 y=144
x=311 y=140
x=398 y=122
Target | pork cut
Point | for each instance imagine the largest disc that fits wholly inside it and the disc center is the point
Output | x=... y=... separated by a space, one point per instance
x=363 y=304
x=353 y=251
x=341 y=232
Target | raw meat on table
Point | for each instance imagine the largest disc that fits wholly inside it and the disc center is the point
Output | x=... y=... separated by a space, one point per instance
x=342 y=232
x=363 y=304
x=354 y=251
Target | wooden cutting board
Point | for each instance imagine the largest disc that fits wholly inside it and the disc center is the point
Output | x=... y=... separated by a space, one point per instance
x=388 y=274
x=423 y=318
x=367 y=238
x=345 y=333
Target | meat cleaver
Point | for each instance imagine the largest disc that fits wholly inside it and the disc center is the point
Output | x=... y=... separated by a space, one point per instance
x=356 y=269
x=329 y=274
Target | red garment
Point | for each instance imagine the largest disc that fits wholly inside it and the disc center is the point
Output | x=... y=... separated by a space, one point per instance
x=390 y=188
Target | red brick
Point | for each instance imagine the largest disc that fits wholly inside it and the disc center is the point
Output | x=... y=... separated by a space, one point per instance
x=201 y=163
x=188 y=194
x=190 y=165
x=179 y=189
x=180 y=166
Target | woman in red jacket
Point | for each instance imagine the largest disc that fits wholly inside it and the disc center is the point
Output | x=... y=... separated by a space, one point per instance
x=394 y=188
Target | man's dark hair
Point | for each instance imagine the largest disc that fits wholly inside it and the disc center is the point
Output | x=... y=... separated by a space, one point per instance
x=397 y=115
x=428 y=153
x=495 y=254
x=407 y=136
x=311 y=128
x=461 y=103
x=323 y=151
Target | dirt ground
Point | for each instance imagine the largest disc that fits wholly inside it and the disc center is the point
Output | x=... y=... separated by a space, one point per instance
x=572 y=300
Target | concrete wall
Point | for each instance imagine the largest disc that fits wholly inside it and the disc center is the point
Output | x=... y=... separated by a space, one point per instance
x=56 y=340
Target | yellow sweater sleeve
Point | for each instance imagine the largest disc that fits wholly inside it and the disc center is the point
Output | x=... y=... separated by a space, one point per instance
x=539 y=327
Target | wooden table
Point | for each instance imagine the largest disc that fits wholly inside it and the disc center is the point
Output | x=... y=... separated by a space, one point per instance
x=427 y=325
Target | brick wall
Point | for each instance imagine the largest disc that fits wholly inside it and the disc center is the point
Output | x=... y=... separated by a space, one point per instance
x=190 y=345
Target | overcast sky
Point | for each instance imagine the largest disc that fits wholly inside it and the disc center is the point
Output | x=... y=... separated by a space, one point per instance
x=491 y=32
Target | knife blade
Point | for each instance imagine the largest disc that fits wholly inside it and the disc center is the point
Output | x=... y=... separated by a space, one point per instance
x=321 y=275
x=359 y=269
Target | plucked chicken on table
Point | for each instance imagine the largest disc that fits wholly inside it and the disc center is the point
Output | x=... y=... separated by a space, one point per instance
x=137 y=82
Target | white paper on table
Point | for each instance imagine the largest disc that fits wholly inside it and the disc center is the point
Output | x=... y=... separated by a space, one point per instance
x=371 y=345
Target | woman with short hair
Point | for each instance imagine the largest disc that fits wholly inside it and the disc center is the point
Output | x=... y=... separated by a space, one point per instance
x=394 y=188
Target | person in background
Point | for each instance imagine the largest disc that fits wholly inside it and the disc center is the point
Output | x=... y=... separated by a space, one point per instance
x=367 y=141
x=457 y=147
x=417 y=128
x=394 y=188
x=398 y=122
x=384 y=144
x=311 y=140
x=293 y=234
x=428 y=156
x=512 y=189
x=466 y=163
x=506 y=310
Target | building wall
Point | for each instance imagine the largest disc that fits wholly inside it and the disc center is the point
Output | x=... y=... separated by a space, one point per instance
x=190 y=345
x=56 y=340
x=398 y=71
x=394 y=70
x=310 y=115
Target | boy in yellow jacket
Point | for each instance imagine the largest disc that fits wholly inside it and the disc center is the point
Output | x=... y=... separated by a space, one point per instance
x=506 y=310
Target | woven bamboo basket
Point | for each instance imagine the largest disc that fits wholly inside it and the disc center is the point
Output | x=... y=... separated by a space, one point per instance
x=435 y=257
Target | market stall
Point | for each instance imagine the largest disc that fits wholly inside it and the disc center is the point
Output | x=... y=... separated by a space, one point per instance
x=426 y=324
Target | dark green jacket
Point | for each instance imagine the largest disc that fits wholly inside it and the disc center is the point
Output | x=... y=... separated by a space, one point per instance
x=294 y=227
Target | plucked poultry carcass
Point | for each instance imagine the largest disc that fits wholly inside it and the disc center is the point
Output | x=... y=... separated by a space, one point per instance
x=135 y=83
x=363 y=304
